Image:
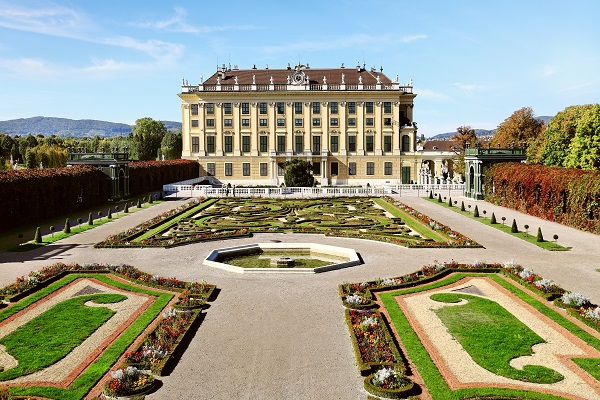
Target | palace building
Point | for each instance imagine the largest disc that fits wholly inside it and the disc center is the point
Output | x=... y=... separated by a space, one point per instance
x=354 y=125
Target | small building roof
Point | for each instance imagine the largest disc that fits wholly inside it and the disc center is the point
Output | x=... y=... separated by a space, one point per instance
x=440 y=145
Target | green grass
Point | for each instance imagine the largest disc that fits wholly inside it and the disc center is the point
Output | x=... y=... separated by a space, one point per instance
x=91 y=375
x=503 y=226
x=75 y=229
x=52 y=335
x=589 y=365
x=416 y=352
x=483 y=327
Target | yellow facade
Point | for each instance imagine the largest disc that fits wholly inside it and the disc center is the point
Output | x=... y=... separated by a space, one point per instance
x=354 y=125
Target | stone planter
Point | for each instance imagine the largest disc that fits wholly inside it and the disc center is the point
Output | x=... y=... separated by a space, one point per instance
x=401 y=393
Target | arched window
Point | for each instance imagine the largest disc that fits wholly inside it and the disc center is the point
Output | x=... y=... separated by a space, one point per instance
x=471 y=178
x=405 y=143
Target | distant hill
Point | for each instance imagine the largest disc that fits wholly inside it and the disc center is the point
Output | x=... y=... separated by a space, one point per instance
x=63 y=127
x=483 y=132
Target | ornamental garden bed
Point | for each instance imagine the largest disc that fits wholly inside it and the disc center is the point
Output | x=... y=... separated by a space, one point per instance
x=59 y=346
x=381 y=219
x=446 y=310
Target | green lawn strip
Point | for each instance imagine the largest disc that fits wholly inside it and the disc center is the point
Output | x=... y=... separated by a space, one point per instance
x=482 y=325
x=416 y=352
x=504 y=227
x=84 y=226
x=185 y=214
x=84 y=382
x=410 y=221
x=589 y=365
x=53 y=334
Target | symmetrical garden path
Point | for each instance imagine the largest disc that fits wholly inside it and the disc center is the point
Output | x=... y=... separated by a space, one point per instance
x=284 y=336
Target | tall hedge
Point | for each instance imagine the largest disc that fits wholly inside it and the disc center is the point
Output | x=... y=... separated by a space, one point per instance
x=565 y=195
x=146 y=176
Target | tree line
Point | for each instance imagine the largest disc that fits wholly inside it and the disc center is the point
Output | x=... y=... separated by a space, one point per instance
x=571 y=139
x=148 y=140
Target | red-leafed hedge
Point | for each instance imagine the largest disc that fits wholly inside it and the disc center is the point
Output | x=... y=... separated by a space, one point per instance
x=565 y=195
x=146 y=176
x=30 y=195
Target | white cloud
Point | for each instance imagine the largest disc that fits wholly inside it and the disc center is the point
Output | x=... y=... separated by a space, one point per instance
x=433 y=95
x=468 y=87
x=548 y=70
x=412 y=38
x=155 y=48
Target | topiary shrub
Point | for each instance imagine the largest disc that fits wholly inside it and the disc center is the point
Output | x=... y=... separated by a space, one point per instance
x=462 y=206
x=109 y=214
x=431 y=194
x=139 y=204
x=126 y=208
x=476 y=212
x=493 y=219
x=150 y=199
x=67 y=228
x=450 y=201
x=540 y=237
x=439 y=198
x=90 y=219
x=38 y=235
x=513 y=228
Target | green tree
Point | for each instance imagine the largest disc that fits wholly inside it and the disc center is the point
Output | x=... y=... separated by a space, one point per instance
x=520 y=128
x=148 y=135
x=298 y=173
x=584 y=150
x=465 y=138
x=171 y=145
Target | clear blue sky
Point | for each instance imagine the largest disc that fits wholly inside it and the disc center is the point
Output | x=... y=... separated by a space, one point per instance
x=471 y=62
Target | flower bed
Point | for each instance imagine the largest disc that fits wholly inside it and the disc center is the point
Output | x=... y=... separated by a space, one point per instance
x=389 y=383
x=526 y=277
x=128 y=381
x=372 y=342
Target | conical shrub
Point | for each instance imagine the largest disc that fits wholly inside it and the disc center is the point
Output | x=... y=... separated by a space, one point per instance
x=139 y=204
x=126 y=208
x=450 y=201
x=67 y=228
x=513 y=228
x=493 y=219
x=109 y=214
x=462 y=206
x=540 y=237
x=431 y=194
x=476 y=212
x=439 y=198
x=38 y=235
x=150 y=199
x=90 y=219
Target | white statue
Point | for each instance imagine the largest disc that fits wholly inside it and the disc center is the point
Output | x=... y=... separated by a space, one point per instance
x=378 y=79
x=324 y=80
x=235 y=80
x=218 y=80
x=289 y=80
x=396 y=79
x=271 y=79
x=360 y=79
x=343 y=76
x=201 y=78
x=254 y=79
x=182 y=81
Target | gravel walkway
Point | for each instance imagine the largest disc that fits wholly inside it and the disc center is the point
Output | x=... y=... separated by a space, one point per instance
x=284 y=336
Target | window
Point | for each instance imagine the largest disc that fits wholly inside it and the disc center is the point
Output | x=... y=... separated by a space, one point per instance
x=228 y=144
x=195 y=144
x=246 y=122
x=264 y=169
x=316 y=107
x=352 y=121
x=370 y=142
x=334 y=168
x=370 y=168
x=194 y=123
x=228 y=169
x=281 y=122
x=387 y=143
x=405 y=143
x=387 y=107
x=264 y=144
x=210 y=144
x=369 y=122
x=369 y=107
x=334 y=121
x=194 y=108
x=299 y=144
x=262 y=108
x=280 y=170
x=210 y=123
x=352 y=168
x=245 y=108
x=227 y=122
x=281 y=107
x=298 y=107
x=281 y=144
x=316 y=168
x=387 y=168
x=316 y=147
x=246 y=169
x=387 y=122
x=210 y=108
x=351 y=107
x=316 y=122
x=246 y=144
x=263 y=122
x=351 y=143
x=334 y=144
x=406 y=175
x=298 y=122
x=210 y=169
x=227 y=110
x=333 y=107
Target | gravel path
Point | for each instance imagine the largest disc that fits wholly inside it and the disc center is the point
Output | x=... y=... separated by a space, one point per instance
x=284 y=336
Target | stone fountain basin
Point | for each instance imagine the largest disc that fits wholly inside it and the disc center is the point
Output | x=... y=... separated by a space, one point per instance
x=348 y=257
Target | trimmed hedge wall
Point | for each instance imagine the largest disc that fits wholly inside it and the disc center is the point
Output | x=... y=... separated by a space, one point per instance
x=31 y=195
x=146 y=176
x=565 y=195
